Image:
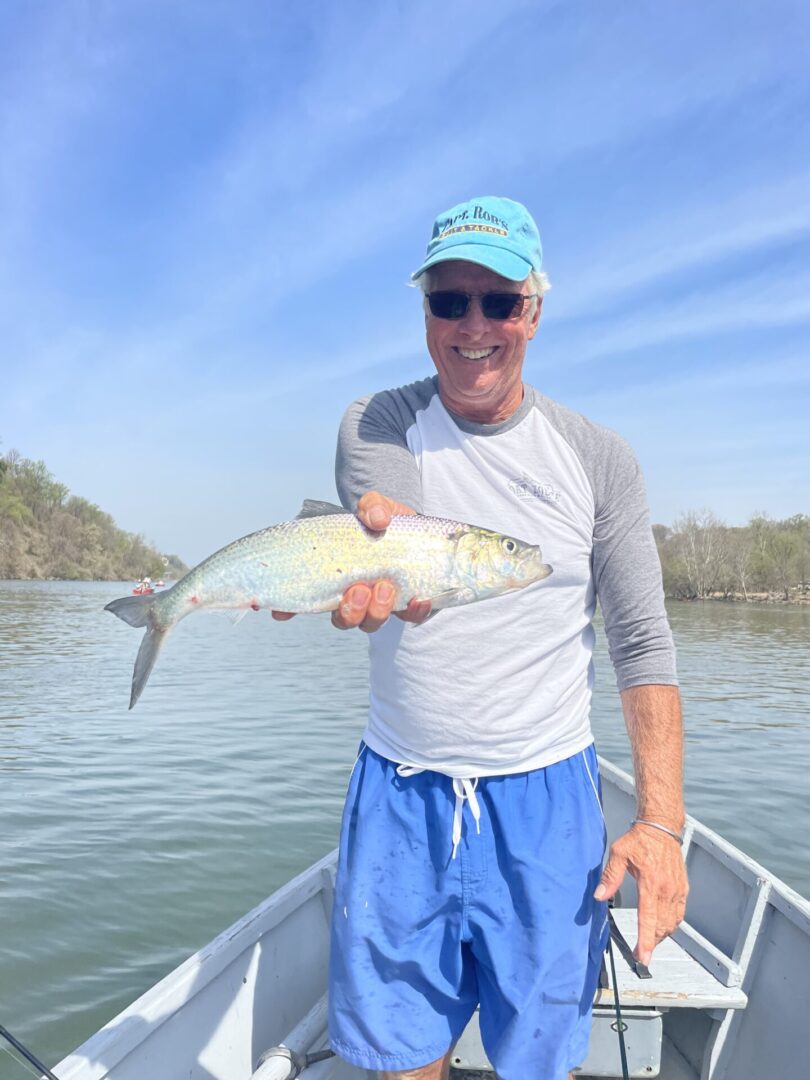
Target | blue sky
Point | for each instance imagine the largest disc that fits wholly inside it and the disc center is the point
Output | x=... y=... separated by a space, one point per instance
x=210 y=211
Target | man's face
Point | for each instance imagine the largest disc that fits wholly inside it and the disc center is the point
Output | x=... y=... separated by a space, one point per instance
x=479 y=360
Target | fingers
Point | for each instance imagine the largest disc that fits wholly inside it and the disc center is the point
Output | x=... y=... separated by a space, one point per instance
x=657 y=865
x=647 y=923
x=282 y=616
x=381 y=604
x=416 y=611
x=375 y=510
x=659 y=914
x=612 y=876
x=365 y=606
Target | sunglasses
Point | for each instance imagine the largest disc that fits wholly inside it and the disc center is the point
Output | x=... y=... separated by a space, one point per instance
x=494 y=305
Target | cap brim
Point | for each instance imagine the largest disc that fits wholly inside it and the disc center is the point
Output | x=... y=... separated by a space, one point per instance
x=506 y=263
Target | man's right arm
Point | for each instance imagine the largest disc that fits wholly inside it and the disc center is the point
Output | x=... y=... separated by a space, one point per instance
x=372 y=456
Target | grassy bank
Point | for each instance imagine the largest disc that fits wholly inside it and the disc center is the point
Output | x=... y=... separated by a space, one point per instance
x=47 y=533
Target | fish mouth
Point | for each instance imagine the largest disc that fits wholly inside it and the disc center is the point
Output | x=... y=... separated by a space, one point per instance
x=530 y=574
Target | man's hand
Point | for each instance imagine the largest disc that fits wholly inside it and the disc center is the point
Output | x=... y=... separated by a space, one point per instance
x=367 y=605
x=655 y=861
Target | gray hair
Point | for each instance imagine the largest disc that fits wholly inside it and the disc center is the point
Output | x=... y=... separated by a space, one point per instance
x=537 y=281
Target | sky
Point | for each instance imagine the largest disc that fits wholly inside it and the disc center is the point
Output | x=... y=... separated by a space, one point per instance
x=211 y=208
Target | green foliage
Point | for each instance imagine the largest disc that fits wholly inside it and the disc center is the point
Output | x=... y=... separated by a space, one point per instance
x=702 y=558
x=45 y=532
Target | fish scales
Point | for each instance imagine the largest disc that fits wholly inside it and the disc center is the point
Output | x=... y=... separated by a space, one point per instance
x=306 y=565
x=416 y=557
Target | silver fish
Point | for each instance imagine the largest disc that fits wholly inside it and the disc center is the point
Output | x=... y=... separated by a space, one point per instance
x=305 y=565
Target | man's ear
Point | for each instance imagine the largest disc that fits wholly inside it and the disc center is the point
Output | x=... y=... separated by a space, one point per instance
x=535 y=322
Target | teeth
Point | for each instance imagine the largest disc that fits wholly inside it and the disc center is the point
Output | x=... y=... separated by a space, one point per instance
x=476 y=354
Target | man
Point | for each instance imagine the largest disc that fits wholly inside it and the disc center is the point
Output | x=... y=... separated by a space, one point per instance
x=472 y=840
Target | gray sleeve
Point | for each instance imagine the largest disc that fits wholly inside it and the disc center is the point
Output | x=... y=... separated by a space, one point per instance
x=372 y=449
x=627 y=572
x=625 y=563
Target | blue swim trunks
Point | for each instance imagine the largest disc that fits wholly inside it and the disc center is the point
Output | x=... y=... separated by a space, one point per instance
x=420 y=938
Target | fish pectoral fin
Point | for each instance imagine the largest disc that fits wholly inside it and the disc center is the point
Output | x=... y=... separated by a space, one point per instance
x=235 y=614
x=427 y=618
x=316 y=508
x=451 y=598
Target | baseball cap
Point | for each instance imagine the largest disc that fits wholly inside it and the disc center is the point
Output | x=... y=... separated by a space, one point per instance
x=493 y=232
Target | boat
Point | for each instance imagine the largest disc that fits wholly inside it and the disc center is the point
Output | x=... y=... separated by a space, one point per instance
x=144 y=587
x=727 y=998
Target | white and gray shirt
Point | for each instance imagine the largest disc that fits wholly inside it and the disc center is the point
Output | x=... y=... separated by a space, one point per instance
x=505 y=686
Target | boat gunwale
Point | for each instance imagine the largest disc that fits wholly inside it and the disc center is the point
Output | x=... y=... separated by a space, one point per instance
x=163 y=1000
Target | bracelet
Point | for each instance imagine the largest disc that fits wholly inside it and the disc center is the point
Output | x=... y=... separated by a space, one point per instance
x=663 y=828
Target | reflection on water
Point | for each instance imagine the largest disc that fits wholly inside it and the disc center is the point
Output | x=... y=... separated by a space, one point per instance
x=132 y=838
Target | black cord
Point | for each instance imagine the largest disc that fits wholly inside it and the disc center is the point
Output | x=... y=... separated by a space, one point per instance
x=620 y=1026
x=26 y=1053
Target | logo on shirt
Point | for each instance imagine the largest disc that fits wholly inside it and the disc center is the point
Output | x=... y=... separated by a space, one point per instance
x=526 y=488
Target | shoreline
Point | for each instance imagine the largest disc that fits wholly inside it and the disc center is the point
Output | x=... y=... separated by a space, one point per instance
x=738 y=598
x=768 y=599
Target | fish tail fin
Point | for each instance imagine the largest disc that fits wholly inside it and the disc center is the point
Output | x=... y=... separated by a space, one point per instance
x=145 y=660
x=140 y=611
x=134 y=610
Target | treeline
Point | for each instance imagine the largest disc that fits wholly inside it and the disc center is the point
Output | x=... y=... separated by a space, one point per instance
x=45 y=532
x=703 y=558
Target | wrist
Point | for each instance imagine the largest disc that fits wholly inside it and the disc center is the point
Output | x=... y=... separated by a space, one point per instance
x=648 y=823
x=672 y=818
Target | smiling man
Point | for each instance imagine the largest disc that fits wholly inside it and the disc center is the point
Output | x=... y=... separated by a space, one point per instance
x=471 y=851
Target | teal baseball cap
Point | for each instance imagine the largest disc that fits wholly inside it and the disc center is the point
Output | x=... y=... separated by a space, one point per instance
x=493 y=232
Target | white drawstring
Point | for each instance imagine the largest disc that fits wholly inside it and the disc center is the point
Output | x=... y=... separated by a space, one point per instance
x=464 y=790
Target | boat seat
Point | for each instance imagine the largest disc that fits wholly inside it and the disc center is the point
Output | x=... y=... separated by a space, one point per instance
x=679 y=978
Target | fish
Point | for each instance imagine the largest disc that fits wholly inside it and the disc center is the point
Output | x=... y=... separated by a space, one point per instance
x=305 y=565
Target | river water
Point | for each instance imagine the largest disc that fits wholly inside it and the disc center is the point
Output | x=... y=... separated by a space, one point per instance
x=130 y=839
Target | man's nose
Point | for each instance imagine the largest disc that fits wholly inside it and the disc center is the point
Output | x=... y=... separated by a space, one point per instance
x=474 y=323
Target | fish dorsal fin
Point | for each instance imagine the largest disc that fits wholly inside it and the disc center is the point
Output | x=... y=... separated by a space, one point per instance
x=316 y=508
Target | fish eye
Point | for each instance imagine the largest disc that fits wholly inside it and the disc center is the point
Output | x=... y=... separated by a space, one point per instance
x=509 y=545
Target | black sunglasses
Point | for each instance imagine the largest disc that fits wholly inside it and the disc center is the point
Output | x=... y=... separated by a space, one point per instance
x=501 y=306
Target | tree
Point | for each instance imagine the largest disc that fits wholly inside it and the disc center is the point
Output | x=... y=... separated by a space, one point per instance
x=785 y=546
x=800 y=524
x=740 y=547
x=699 y=540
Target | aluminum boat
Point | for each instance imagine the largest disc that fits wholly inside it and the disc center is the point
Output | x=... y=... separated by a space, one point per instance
x=729 y=996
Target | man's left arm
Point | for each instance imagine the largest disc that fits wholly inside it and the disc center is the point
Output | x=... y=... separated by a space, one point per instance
x=627 y=575
x=653 y=717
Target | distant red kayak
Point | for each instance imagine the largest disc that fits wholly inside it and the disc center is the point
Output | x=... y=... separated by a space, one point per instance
x=143 y=590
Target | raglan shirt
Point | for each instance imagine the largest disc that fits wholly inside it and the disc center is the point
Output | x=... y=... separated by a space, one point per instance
x=504 y=686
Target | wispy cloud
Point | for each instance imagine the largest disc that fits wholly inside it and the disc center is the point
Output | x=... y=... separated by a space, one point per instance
x=266 y=183
x=690 y=237
x=751 y=303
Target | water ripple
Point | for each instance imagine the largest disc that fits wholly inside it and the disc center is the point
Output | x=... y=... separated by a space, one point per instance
x=132 y=838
